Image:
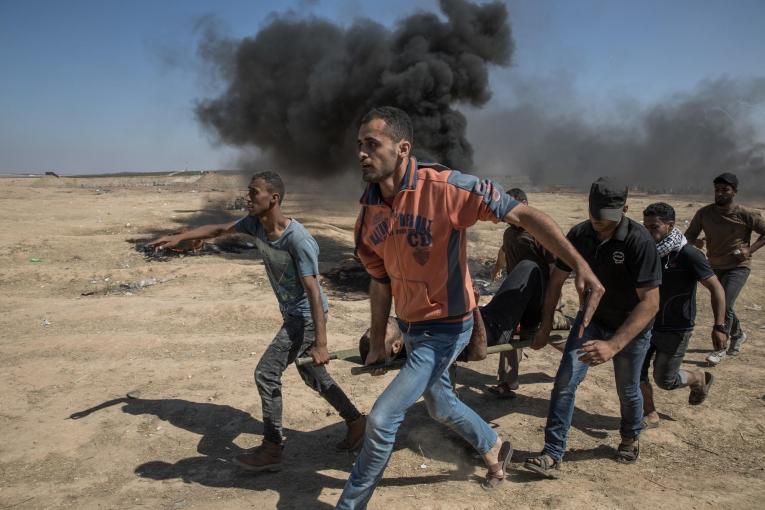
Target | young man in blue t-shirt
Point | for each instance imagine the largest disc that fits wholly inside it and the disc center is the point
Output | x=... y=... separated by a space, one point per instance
x=291 y=257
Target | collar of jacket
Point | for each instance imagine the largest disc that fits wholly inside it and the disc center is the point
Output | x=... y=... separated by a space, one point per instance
x=373 y=196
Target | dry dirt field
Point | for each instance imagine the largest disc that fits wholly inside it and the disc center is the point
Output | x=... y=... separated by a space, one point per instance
x=74 y=341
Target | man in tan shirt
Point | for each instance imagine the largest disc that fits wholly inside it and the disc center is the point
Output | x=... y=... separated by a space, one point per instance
x=728 y=229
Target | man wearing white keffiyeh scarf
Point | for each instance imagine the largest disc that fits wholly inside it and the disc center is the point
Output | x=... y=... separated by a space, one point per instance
x=682 y=267
x=673 y=242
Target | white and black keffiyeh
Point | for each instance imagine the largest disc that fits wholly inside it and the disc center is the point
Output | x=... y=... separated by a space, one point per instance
x=673 y=242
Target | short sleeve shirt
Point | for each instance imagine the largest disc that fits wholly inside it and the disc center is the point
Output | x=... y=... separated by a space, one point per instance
x=287 y=259
x=519 y=245
x=624 y=263
x=726 y=231
x=680 y=272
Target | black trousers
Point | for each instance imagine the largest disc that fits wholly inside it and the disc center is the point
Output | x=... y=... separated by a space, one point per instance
x=518 y=300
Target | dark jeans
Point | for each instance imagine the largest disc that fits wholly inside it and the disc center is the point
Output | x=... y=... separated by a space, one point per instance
x=518 y=300
x=668 y=350
x=733 y=281
x=294 y=339
x=627 y=365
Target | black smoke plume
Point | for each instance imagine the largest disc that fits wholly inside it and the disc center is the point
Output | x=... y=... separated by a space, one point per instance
x=676 y=145
x=297 y=89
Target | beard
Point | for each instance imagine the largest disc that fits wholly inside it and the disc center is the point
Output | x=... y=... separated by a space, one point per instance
x=723 y=201
x=371 y=177
x=374 y=176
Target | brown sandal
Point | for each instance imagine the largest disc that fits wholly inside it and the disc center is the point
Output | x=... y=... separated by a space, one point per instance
x=493 y=476
x=628 y=451
x=501 y=391
x=699 y=395
x=541 y=465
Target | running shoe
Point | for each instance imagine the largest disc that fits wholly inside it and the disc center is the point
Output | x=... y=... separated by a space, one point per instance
x=716 y=357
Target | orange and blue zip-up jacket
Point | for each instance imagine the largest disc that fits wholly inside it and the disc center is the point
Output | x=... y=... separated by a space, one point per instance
x=418 y=243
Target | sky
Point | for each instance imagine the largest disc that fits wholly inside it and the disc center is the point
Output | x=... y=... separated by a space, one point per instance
x=110 y=86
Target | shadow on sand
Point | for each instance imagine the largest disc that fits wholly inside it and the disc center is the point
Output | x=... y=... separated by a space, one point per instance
x=473 y=394
x=309 y=454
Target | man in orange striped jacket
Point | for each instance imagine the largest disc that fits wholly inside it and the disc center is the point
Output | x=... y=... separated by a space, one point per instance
x=411 y=237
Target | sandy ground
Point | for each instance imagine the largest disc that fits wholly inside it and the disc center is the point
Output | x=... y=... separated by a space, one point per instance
x=190 y=342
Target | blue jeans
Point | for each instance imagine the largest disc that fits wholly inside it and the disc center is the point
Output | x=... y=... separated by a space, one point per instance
x=627 y=366
x=430 y=352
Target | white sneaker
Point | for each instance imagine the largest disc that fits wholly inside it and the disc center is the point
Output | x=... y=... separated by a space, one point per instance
x=716 y=357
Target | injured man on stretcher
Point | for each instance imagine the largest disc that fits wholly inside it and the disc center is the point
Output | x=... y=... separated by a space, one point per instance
x=512 y=315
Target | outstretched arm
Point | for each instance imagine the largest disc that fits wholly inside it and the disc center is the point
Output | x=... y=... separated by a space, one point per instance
x=547 y=232
x=203 y=232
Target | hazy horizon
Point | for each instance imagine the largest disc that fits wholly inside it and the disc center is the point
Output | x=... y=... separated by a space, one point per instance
x=99 y=87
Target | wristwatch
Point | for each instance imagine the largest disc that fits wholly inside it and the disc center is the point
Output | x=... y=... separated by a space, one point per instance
x=722 y=328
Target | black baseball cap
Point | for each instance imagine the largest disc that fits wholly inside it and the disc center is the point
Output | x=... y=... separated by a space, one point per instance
x=607 y=199
x=727 y=178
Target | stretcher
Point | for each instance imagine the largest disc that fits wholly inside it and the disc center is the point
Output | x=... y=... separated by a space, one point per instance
x=353 y=356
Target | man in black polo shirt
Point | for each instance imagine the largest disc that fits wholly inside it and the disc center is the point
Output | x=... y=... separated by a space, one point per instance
x=682 y=266
x=623 y=255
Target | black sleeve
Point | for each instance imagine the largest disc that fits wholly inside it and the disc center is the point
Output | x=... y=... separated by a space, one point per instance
x=571 y=238
x=644 y=263
x=698 y=263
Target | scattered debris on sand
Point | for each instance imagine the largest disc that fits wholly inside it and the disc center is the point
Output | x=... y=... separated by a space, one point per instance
x=347 y=280
x=106 y=286
x=234 y=243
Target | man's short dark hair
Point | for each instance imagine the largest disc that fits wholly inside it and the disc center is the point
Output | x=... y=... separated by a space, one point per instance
x=661 y=210
x=518 y=194
x=727 y=178
x=398 y=125
x=273 y=182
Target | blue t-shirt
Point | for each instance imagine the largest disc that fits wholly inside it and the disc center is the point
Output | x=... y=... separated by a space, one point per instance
x=293 y=255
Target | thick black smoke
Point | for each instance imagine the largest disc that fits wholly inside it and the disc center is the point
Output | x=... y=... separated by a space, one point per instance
x=678 y=144
x=298 y=88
